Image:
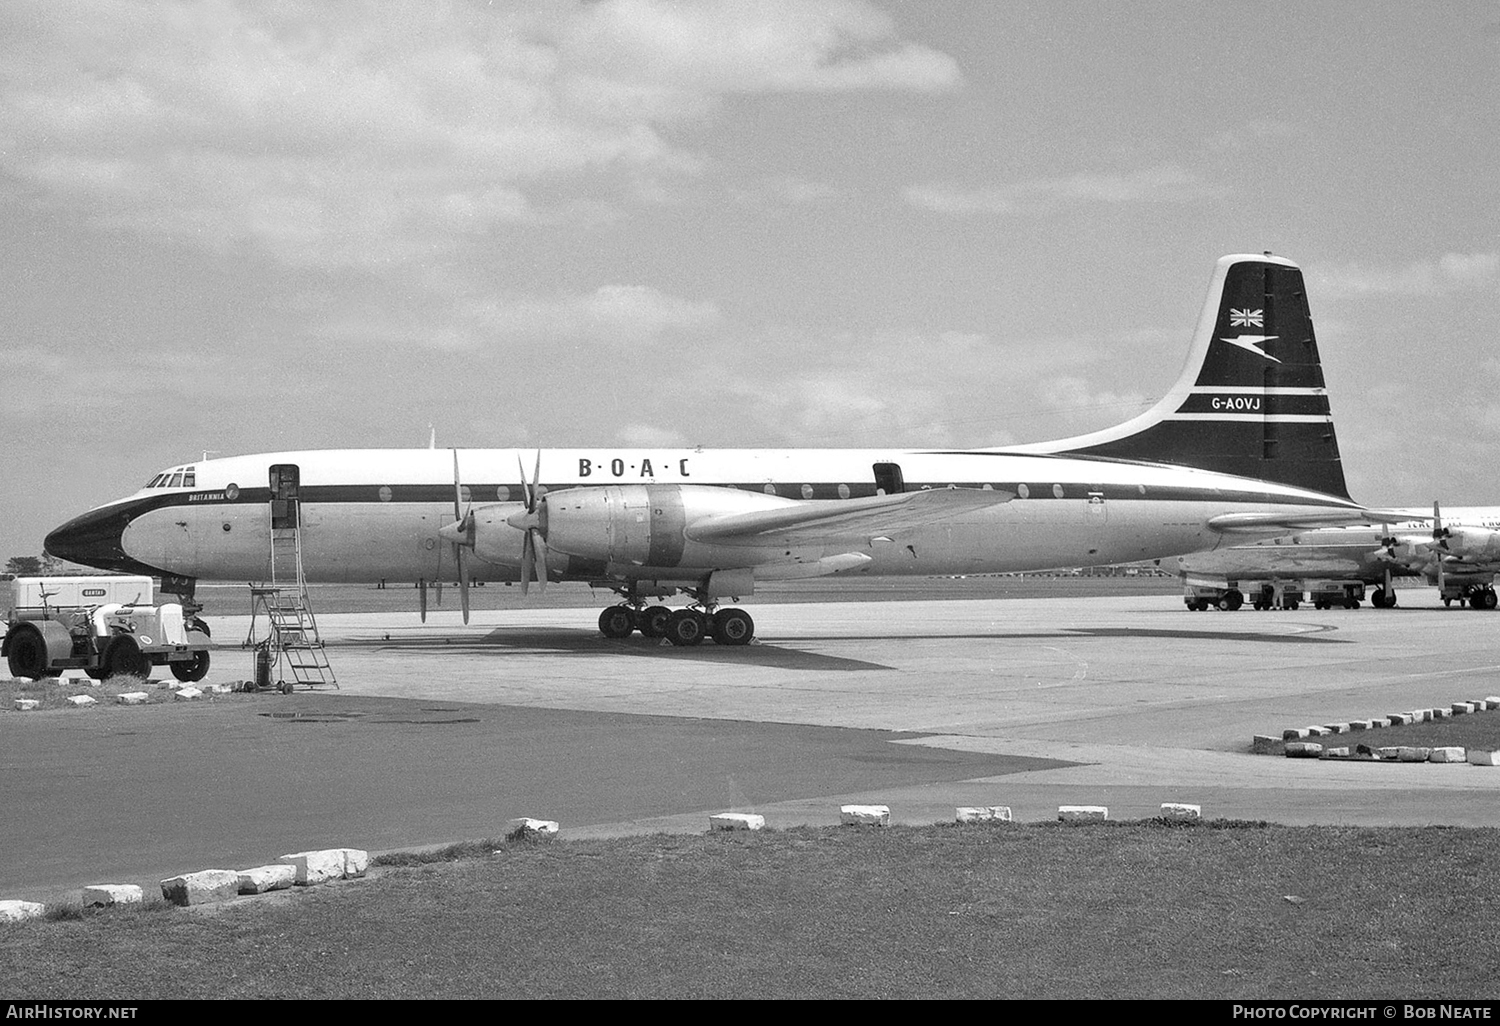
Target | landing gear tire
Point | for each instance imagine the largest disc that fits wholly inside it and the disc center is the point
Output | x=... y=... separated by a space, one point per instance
x=1382 y=599
x=27 y=654
x=197 y=624
x=191 y=671
x=652 y=621
x=124 y=658
x=617 y=622
x=687 y=627
x=733 y=627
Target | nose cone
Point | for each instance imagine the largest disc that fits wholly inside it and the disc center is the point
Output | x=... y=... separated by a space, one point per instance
x=94 y=539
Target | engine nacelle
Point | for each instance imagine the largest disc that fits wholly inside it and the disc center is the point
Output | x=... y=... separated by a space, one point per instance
x=495 y=540
x=643 y=525
x=1474 y=543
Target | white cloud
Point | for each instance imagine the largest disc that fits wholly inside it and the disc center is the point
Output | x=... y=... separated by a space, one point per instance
x=1166 y=183
x=1450 y=272
x=367 y=135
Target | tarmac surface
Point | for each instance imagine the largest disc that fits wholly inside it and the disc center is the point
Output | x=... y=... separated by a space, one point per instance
x=442 y=732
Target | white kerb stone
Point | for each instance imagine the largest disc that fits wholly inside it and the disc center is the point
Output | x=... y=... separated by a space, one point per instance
x=1304 y=750
x=132 y=697
x=81 y=700
x=1000 y=812
x=261 y=879
x=525 y=826
x=27 y=704
x=315 y=867
x=1076 y=813
x=12 y=911
x=1294 y=734
x=112 y=894
x=186 y=694
x=1478 y=758
x=972 y=814
x=736 y=821
x=356 y=862
x=198 y=888
x=1411 y=753
x=1176 y=810
x=865 y=815
x=1462 y=708
x=1446 y=754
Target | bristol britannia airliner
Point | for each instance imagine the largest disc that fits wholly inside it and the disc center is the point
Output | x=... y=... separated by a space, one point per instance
x=1241 y=447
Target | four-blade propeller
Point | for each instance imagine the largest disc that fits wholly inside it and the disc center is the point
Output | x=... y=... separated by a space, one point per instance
x=533 y=521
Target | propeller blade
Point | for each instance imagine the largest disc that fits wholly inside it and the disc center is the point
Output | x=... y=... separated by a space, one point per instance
x=465 y=538
x=422 y=597
x=528 y=557
x=525 y=487
x=541 y=561
x=536 y=481
x=463 y=585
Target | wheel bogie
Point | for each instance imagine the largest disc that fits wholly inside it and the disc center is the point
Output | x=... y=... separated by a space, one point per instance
x=652 y=621
x=733 y=627
x=686 y=627
x=617 y=622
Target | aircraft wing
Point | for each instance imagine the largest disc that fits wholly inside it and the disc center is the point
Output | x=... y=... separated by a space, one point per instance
x=1259 y=523
x=823 y=519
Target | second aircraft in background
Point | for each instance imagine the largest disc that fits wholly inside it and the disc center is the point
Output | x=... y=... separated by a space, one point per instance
x=1458 y=551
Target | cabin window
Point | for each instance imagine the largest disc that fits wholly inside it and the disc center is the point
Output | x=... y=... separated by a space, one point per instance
x=843 y=491
x=807 y=491
x=770 y=489
x=1023 y=491
x=1057 y=490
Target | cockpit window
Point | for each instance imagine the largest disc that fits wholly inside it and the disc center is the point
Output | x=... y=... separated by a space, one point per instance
x=155 y=481
x=176 y=480
x=189 y=476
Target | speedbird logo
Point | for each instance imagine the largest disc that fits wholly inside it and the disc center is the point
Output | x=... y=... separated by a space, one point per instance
x=1252 y=344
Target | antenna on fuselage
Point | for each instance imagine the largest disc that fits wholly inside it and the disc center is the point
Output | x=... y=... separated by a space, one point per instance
x=431 y=437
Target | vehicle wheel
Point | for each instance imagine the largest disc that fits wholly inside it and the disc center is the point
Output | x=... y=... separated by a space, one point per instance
x=1488 y=599
x=687 y=627
x=617 y=622
x=652 y=621
x=1290 y=604
x=191 y=671
x=124 y=658
x=1236 y=599
x=733 y=627
x=285 y=687
x=1447 y=602
x=1351 y=603
x=28 y=653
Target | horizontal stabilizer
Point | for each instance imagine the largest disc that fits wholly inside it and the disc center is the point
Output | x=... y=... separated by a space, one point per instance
x=827 y=518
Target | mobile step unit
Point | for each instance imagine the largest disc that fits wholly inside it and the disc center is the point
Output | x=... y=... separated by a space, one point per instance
x=106 y=626
x=292 y=652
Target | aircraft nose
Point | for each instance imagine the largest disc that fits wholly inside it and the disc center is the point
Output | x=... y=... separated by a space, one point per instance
x=95 y=539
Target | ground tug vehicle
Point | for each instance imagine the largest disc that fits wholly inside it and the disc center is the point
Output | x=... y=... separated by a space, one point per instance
x=107 y=626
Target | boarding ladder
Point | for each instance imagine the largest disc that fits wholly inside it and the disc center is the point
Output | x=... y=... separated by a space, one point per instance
x=292 y=639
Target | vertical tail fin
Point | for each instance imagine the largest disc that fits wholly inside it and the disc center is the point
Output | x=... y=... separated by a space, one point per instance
x=1251 y=399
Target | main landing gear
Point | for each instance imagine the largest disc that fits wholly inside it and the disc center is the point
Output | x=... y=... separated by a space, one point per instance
x=683 y=627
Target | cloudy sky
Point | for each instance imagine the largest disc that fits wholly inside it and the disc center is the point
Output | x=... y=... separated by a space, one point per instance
x=240 y=227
